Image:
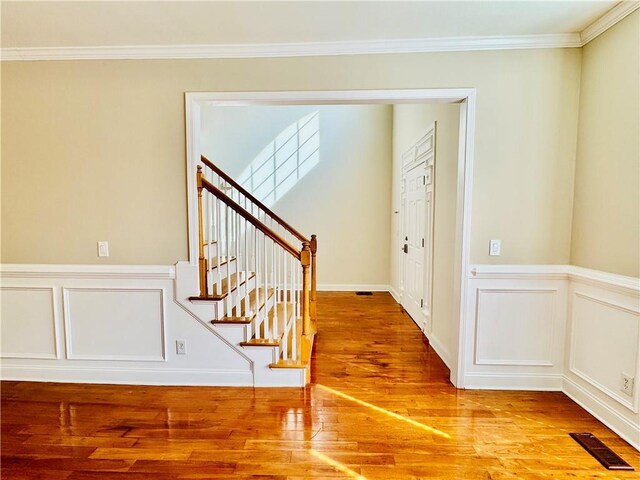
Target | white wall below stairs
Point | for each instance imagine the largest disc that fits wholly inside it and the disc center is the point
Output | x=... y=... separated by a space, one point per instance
x=108 y=324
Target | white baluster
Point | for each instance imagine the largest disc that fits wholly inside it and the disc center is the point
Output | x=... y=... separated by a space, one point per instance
x=285 y=301
x=292 y=297
x=256 y=260
x=285 y=310
x=294 y=336
x=245 y=258
x=227 y=224
x=209 y=248
x=298 y=288
x=238 y=264
x=265 y=279
x=218 y=223
x=275 y=290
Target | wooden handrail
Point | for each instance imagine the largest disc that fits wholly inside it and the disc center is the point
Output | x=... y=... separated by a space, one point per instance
x=261 y=205
x=204 y=183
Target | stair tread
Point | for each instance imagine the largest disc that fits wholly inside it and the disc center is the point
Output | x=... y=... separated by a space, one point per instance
x=288 y=364
x=235 y=279
x=270 y=319
x=252 y=301
x=214 y=296
x=219 y=261
x=206 y=298
x=262 y=342
x=233 y=321
x=244 y=320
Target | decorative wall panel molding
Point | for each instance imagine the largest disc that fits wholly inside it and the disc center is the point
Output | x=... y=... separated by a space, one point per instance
x=515 y=326
x=104 y=323
x=604 y=345
x=29 y=309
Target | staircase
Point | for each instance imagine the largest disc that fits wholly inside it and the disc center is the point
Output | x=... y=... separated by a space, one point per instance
x=258 y=274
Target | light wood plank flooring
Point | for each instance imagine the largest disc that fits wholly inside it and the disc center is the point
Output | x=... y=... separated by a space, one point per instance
x=380 y=406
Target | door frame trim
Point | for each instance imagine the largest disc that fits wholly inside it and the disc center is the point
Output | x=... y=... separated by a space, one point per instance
x=467 y=99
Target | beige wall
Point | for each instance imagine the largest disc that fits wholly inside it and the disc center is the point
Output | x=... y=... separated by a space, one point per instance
x=410 y=123
x=345 y=199
x=95 y=150
x=606 y=212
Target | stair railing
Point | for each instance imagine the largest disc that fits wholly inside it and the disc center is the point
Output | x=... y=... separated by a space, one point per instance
x=217 y=177
x=259 y=274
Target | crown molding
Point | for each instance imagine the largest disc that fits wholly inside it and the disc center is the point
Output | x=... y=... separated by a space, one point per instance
x=312 y=49
x=608 y=20
x=424 y=45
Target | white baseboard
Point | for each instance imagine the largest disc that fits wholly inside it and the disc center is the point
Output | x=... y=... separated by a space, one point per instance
x=351 y=287
x=603 y=412
x=513 y=381
x=127 y=376
x=440 y=349
x=396 y=296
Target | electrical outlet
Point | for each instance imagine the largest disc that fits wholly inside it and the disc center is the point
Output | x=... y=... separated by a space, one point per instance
x=627 y=384
x=494 y=247
x=103 y=249
x=181 y=347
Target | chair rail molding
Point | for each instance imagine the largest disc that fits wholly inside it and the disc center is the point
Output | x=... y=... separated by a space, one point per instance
x=143 y=272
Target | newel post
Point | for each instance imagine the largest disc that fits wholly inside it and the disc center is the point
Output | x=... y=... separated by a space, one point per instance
x=305 y=261
x=202 y=261
x=314 y=283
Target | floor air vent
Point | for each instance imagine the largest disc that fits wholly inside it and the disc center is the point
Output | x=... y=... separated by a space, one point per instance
x=598 y=450
x=364 y=293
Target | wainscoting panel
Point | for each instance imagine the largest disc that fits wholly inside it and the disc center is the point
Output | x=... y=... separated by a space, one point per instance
x=557 y=327
x=33 y=310
x=604 y=344
x=515 y=327
x=112 y=324
x=105 y=323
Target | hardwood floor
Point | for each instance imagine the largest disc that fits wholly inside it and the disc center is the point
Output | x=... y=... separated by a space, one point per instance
x=380 y=406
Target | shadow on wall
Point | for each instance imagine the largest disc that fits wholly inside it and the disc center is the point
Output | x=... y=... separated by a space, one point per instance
x=284 y=161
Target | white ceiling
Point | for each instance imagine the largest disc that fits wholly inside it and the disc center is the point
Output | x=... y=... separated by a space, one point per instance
x=113 y=23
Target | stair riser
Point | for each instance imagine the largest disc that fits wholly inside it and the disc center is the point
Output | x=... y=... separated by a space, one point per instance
x=234 y=334
x=226 y=269
x=269 y=307
x=244 y=289
x=249 y=311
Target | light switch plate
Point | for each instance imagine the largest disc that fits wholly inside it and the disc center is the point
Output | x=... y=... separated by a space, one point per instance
x=103 y=249
x=494 y=247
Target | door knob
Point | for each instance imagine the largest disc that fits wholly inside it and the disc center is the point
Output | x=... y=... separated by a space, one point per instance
x=406 y=248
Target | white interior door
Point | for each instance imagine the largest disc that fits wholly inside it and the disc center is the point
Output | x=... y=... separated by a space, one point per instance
x=417 y=229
